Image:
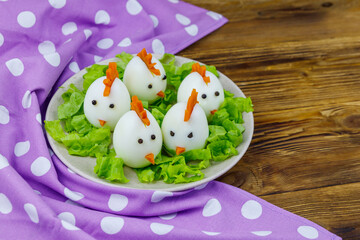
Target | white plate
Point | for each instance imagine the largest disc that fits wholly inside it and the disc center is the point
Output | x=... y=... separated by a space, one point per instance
x=84 y=165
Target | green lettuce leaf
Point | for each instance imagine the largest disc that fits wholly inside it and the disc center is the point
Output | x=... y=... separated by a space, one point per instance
x=80 y=124
x=221 y=150
x=73 y=101
x=236 y=106
x=110 y=167
x=94 y=72
x=54 y=129
x=197 y=154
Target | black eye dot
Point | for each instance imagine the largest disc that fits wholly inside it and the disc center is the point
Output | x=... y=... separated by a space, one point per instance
x=172 y=133
x=217 y=93
x=190 y=135
x=140 y=141
x=153 y=136
x=203 y=96
x=164 y=77
x=111 y=106
x=150 y=86
x=93 y=102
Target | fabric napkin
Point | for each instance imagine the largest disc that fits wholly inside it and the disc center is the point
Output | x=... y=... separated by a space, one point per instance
x=43 y=43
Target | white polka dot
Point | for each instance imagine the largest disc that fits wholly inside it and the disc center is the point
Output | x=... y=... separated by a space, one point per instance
x=5 y=204
x=68 y=221
x=31 y=211
x=69 y=28
x=214 y=15
x=75 y=196
x=21 y=148
x=160 y=195
x=125 y=42
x=202 y=186
x=38 y=118
x=168 y=216
x=46 y=47
x=262 y=233
x=211 y=233
x=251 y=210
x=211 y=208
x=26 y=19
x=97 y=58
x=26 y=100
x=111 y=225
x=117 y=202
x=133 y=7
x=74 y=67
x=192 y=30
x=40 y=166
x=53 y=59
x=57 y=3
x=308 y=232
x=87 y=33
x=4 y=115
x=161 y=229
x=15 y=66
x=158 y=46
x=3 y=162
x=182 y=19
x=174 y=1
x=155 y=20
x=1 y=39
x=102 y=17
x=105 y=43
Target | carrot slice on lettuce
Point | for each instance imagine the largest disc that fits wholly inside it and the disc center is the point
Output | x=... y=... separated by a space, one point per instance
x=190 y=105
x=146 y=57
x=138 y=107
x=201 y=70
x=111 y=75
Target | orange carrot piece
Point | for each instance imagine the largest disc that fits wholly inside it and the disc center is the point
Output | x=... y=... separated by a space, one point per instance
x=213 y=112
x=150 y=158
x=161 y=94
x=102 y=122
x=201 y=70
x=111 y=75
x=179 y=150
x=137 y=106
x=190 y=105
x=146 y=57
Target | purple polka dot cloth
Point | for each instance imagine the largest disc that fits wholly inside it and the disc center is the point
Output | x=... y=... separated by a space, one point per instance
x=43 y=43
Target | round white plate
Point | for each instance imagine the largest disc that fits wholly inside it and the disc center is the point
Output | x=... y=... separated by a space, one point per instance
x=84 y=166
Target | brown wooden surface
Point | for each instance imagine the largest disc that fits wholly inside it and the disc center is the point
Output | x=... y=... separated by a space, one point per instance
x=299 y=61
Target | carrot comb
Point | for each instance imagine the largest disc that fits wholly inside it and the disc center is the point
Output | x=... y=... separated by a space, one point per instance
x=146 y=57
x=137 y=106
x=190 y=105
x=111 y=74
x=201 y=70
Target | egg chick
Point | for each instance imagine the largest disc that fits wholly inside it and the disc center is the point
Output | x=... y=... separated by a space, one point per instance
x=107 y=99
x=137 y=136
x=211 y=92
x=145 y=77
x=185 y=126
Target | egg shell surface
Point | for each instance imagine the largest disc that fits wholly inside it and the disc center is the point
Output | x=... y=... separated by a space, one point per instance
x=194 y=80
x=126 y=137
x=137 y=78
x=119 y=97
x=174 y=121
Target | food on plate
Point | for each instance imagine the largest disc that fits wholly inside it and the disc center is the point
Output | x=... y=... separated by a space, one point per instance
x=185 y=126
x=211 y=92
x=145 y=77
x=107 y=99
x=137 y=136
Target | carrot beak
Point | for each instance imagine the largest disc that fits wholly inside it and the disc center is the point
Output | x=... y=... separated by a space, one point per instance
x=150 y=158
x=213 y=112
x=102 y=122
x=179 y=150
x=161 y=94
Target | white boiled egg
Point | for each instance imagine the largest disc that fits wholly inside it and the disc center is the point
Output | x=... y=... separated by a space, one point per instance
x=141 y=82
x=136 y=143
x=186 y=135
x=210 y=96
x=106 y=111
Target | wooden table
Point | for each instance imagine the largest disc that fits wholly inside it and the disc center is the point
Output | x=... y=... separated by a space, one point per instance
x=299 y=61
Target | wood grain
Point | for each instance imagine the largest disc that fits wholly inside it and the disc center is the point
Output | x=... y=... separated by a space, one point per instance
x=299 y=61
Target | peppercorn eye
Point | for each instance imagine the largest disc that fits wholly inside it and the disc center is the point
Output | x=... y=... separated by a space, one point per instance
x=93 y=102
x=190 y=135
x=164 y=77
x=172 y=133
x=150 y=86
x=111 y=105
x=153 y=137
x=140 y=141
x=217 y=93
x=203 y=96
